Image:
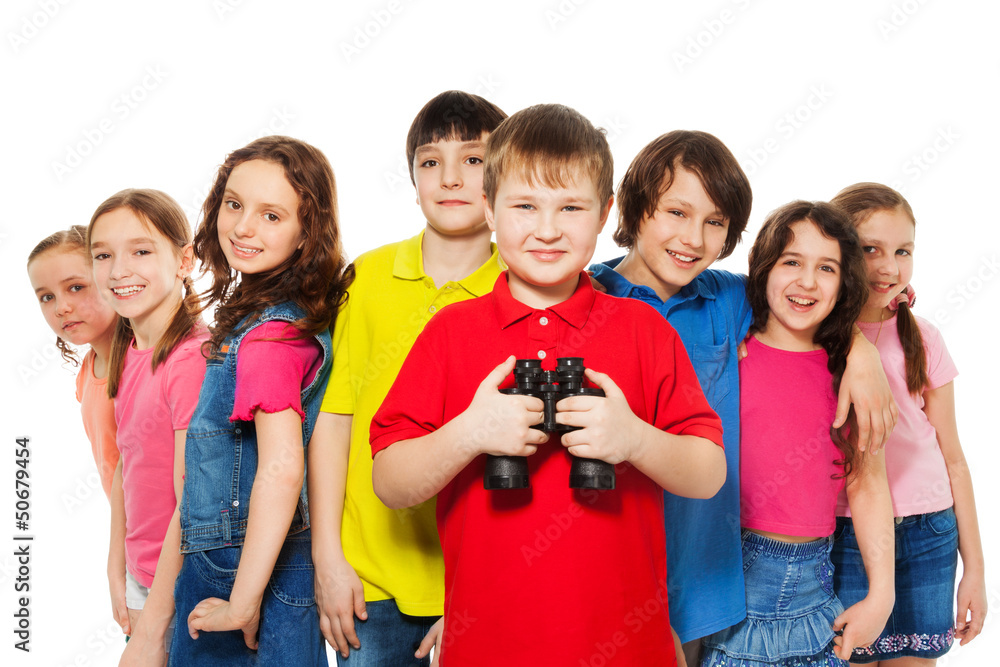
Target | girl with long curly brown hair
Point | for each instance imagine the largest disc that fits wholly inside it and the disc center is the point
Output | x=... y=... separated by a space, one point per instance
x=270 y=238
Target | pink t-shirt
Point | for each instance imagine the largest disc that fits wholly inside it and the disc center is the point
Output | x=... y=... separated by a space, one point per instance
x=918 y=477
x=150 y=407
x=787 y=458
x=99 y=423
x=270 y=374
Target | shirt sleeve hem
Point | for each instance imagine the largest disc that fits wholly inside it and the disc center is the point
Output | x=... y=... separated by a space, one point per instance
x=269 y=408
x=385 y=439
x=707 y=432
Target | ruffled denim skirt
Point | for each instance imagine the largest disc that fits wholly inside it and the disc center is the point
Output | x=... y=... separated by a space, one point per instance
x=791 y=607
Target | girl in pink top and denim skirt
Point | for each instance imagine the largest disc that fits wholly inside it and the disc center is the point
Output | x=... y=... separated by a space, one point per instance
x=806 y=287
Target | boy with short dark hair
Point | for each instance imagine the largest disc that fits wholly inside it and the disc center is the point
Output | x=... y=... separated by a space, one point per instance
x=684 y=203
x=379 y=573
x=548 y=574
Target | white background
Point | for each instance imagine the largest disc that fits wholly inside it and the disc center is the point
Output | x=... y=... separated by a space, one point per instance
x=811 y=97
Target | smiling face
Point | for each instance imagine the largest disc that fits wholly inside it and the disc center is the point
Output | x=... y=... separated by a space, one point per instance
x=448 y=175
x=138 y=271
x=887 y=241
x=802 y=288
x=681 y=239
x=546 y=235
x=70 y=302
x=258 y=225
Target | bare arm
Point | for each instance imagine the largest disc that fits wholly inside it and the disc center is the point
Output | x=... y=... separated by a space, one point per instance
x=339 y=592
x=871 y=508
x=412 y=471
x=939 y=406
x=116 y=552
x=147 y=645
x=865 y=386
x=275 y=494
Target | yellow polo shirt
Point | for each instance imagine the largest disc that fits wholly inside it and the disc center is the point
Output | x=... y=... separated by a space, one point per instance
x=396 y=553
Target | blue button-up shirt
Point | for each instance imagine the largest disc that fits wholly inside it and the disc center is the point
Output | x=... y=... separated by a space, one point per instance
x=704 y=558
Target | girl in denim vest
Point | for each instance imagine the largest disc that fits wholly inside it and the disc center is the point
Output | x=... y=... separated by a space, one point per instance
x=244 y=593
x=140 y=245
x=929 y=479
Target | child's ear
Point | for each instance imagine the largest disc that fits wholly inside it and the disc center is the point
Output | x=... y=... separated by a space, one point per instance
x=187 y=261
x=606 y=211
x=488 y=210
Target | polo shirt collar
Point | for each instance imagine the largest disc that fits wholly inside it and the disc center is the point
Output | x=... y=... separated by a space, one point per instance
x=619 y=285
x=409 y=265
x=575 y=310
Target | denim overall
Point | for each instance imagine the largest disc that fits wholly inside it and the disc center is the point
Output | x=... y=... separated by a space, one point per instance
x=220 y=466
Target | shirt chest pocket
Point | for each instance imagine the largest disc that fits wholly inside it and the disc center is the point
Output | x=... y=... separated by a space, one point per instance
x=709 y=363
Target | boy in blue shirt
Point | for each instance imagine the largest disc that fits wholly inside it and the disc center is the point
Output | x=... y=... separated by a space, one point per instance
x=684 y=203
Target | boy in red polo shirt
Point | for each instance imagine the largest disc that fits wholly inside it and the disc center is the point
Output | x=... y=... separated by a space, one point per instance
x=549 y=574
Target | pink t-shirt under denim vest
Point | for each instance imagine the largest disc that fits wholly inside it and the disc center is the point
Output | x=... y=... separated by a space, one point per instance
x=150 y=407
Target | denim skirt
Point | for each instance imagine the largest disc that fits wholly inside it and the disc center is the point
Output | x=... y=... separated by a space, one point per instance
x=922 y=621
x=791 y=607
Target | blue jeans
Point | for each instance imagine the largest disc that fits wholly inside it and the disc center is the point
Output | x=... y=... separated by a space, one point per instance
x=388 y=638
x=289 y=631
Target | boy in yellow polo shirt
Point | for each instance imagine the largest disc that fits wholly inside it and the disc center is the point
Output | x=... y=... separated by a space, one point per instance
x=379 y=572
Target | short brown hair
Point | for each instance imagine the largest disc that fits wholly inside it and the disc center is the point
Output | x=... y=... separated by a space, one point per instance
x=547 y=143
x=452 y=114
x=652 y=172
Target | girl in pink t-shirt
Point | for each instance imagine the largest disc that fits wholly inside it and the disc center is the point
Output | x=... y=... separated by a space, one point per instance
x=60 y=273
x=929 y=478
x=140 y=245
x=806 y=287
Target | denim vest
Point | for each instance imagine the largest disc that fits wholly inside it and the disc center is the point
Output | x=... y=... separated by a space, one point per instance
x=220 y=456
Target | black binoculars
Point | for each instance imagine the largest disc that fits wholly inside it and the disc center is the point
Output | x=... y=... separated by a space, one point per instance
x=511 y=472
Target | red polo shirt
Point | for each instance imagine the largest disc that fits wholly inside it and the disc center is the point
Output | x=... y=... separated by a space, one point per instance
x=550 y=575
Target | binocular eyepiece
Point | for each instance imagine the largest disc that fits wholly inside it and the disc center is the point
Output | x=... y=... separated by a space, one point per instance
x=511 y=472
